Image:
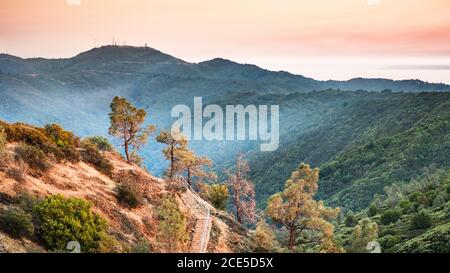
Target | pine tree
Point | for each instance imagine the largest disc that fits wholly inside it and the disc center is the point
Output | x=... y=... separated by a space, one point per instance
x=176 y=146
x=126 y=124
x=363 y=233
x=194 y=166
x=243 y=192
x=172 y=225
x=295 y=208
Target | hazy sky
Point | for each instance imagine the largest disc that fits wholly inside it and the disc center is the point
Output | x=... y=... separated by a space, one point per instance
x=323 y=39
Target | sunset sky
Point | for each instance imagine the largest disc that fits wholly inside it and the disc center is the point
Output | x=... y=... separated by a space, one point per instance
x=323 y=39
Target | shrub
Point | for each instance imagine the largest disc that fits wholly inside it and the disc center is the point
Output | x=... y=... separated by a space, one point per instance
x=263 y=238
x=16 y=223
x=59 y=136
x=142 y=246
x=389 y=241
x=16 y=173
x=438 y=201
x=373 y=210
x=25 y=133
x=216 y=194
x=26 y=201
x=406 y=206
x=34 y=157
x=2 y=139
x=390 y=216
x=62 y=220
x=101 y=143
x=421 y=220
x=109 y=244
x=92 y=156
x=128 y=193
x=70 y=154
x=350 y=220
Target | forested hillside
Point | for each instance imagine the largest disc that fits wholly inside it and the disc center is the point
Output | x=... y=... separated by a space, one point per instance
x=361 y=140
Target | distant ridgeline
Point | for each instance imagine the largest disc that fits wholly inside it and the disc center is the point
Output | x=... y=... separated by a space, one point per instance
x=361 y=140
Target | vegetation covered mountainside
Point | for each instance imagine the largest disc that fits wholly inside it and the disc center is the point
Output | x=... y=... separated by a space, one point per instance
x=57 y=190
x=361 y=141
x=411 y=217
x=345 y=133
x=374 y=140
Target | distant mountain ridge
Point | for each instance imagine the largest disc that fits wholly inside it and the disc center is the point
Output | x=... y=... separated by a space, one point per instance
x=149 y=61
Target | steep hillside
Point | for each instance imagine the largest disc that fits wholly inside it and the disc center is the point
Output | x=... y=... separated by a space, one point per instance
x=411 y=218
x=26 y=181
x=361 y=141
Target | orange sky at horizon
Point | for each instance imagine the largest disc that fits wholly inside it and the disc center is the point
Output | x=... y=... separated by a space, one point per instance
x=324 y=39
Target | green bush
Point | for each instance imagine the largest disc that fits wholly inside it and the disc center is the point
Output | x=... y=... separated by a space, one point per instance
x=142 y=246
x=101 y=143
x=25 y=133
x=92 y=156
x=373 y=210
x=390 y=216
x=406 y=206
x=109 y=244
x=128 y=193
x=350 y=220
x=60 y=137
x=70 y=154
x=34 y=157
x=438 y=201
x=389 y=241
x=16 y=223
x=26 y=201
x=216 y=194
x=421 y=220
x=62 y=220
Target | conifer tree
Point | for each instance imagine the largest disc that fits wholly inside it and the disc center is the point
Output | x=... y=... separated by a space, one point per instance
x=194 y=166
x=363 y=233
x=126 y=124
x=295 y=207
x=243 y=192
x=172 y=225
x=176 y=146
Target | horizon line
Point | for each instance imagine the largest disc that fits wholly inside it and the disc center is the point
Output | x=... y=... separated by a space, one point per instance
x=399 y=67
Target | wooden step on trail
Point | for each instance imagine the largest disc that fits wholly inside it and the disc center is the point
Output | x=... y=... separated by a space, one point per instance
x=201 y=235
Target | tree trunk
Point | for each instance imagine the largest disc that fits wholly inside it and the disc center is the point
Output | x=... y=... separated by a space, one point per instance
x=292 y=237
x=126 y=152
x=189 y=177
x=238 y=208
x=172 y=161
